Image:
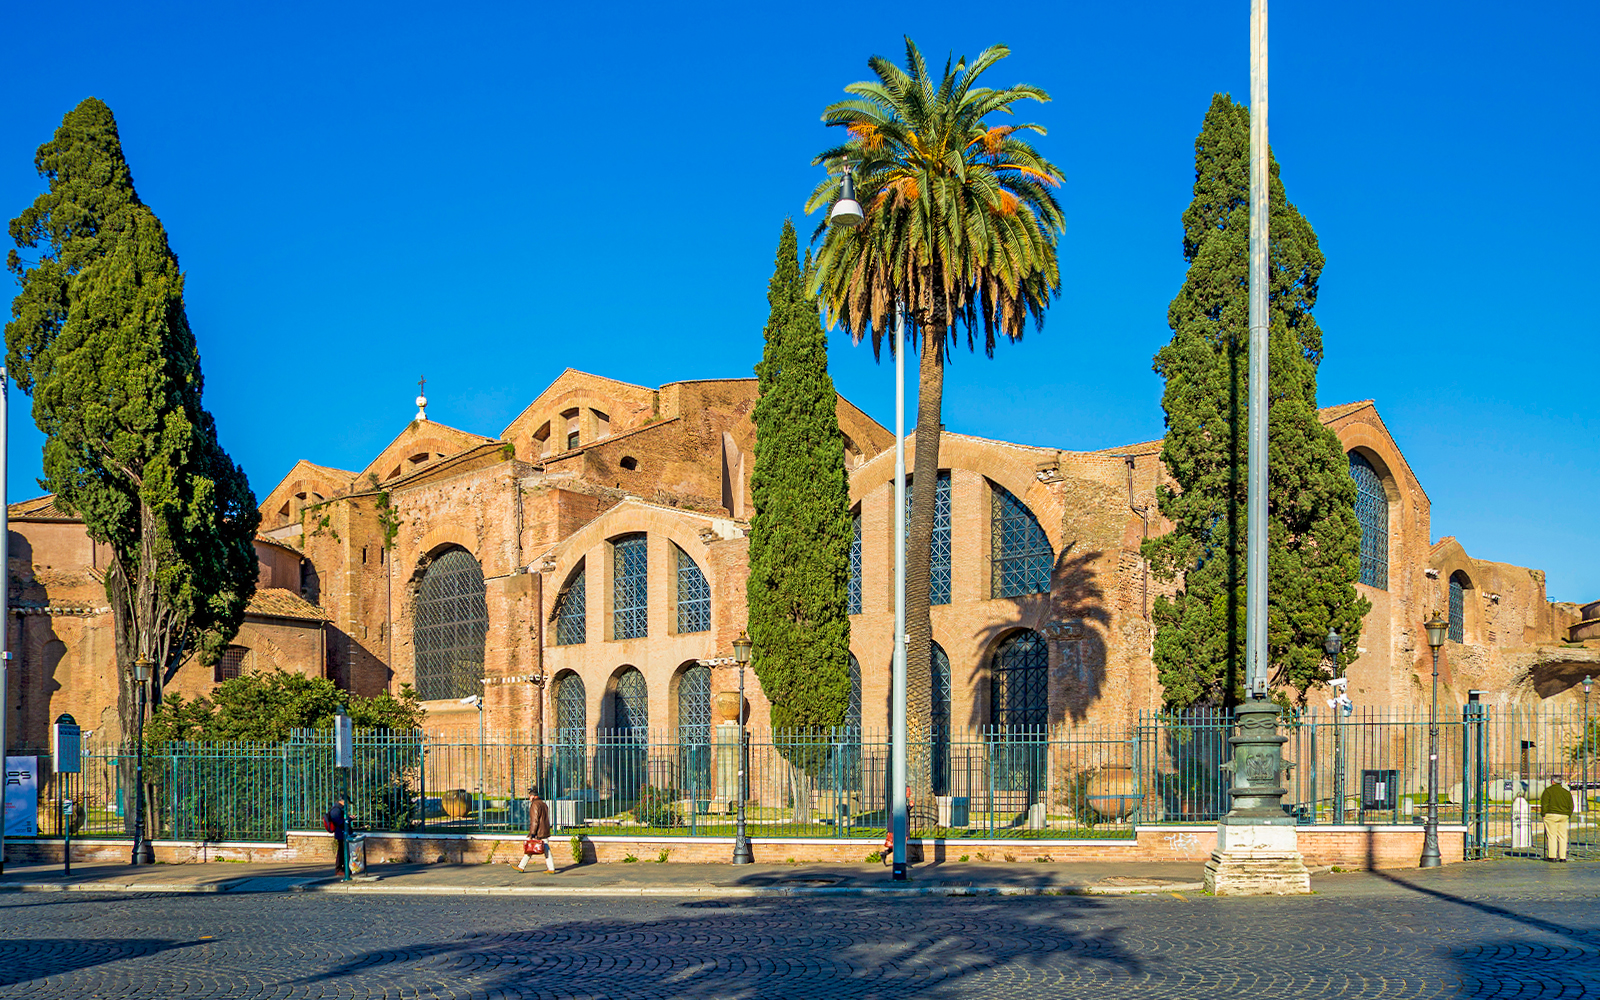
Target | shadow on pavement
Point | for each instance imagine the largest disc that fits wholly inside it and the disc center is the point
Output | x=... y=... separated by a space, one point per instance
x=24 y=959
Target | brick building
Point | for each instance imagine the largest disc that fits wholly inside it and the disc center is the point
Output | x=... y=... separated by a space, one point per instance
x=599 y=543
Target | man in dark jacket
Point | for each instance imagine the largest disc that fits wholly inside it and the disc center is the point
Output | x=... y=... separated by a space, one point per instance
x=334 y=821
x=539 y=828
x=1556 y=804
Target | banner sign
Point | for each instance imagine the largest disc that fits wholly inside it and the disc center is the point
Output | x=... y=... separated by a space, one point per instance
x=22 y=797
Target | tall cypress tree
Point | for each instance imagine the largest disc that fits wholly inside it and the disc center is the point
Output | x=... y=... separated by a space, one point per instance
x=1313 y=536
x=800 y=532
x=100 y=339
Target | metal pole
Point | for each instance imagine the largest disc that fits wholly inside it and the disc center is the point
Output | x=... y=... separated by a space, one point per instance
x=5 y=595
x=1256 y=498
x=1430 y=838
x=897 y=736
x=480 y=764
x=741 y=842
x=138 y=780
x=1583 y=796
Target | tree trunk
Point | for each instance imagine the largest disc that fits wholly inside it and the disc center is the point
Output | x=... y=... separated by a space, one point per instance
x=800 y=788
x=919 y=545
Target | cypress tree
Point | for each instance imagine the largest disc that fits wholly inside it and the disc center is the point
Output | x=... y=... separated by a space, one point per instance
x=800 y=532
x=1313 y=536
x=99 y=337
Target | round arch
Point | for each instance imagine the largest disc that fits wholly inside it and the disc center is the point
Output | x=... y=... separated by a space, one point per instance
x=450 y=625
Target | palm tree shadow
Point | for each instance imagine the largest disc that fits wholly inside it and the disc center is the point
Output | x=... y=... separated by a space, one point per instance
x=751 y=948
x=29 y=959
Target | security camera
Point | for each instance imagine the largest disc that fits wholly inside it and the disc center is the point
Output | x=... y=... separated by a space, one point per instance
x=1339 y=683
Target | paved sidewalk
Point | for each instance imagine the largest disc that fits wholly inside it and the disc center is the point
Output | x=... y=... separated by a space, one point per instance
x=618 y=879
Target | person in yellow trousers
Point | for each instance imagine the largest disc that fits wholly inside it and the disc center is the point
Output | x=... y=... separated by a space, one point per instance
x=1556 y=805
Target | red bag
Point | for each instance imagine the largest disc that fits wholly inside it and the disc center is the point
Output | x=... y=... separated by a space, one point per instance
x=327 y=824
x=532 y=846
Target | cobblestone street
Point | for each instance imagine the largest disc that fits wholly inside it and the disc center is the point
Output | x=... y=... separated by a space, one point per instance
x=1480 y=930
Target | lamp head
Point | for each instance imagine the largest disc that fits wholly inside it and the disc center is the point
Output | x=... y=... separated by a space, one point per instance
x=472 y=699
x=846 y=213
x=1438 y=626
x=1588 y=682
x=141 y=669
x=741 y=648
x=1333 y=643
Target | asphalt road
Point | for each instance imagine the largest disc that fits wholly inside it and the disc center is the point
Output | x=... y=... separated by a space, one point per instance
x=1503 y=932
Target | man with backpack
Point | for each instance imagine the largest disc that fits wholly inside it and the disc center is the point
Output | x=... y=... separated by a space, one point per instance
x=336 y=823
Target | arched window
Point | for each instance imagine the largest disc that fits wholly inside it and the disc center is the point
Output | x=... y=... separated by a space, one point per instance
x=1459 y=585
x=694 y=731
x=939 y=669
x=848 y=746
x=852 y=711
x=1019 y=690
x=630 y=588
x=694 y=596
x=939 y=546
x=854 y=594
x=571 y=613
x=451 y=621
x=1372 y=513
x=571 y=736
x=631 y=706
x=1020 y=553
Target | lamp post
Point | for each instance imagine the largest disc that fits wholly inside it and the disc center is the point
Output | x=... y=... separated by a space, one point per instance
x=1437 y=627
x=741 y=842
x=1331 y=645
x=476 y=701
x=141 y=677
x=1583 y=796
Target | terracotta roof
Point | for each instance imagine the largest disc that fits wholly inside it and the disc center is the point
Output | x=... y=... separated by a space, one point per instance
x=1326 y=414
x=273 y=602
x=40 y=507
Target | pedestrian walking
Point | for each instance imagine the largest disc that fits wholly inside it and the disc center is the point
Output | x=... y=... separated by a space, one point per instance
x=1556 y=805
x=335 y=823
x=538 y=841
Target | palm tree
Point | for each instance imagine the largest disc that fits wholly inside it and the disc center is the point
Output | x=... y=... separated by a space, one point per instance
x=960 y=233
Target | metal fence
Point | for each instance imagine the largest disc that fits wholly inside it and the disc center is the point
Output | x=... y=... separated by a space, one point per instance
x=1015 y=782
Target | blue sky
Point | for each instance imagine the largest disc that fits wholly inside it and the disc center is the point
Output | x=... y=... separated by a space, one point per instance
x=487 y=194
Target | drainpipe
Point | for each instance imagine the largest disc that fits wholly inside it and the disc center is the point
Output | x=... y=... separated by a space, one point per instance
x=1144 y=515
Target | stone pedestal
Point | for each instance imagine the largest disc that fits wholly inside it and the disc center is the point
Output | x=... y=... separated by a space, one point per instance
x=726 y=767
x=1258 y=849
x=1256 y=860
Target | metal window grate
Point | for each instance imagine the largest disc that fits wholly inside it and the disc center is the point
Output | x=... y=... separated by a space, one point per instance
x=852 y=711
x=1019 y=682
x=1372 y=513
x=1020 y=553
x=571 y=612
x=630 y=588
x=231 y=664
x=939 y=668
x=939 y=545
x=694 y=596
x=854 y=594
x=694 y=730
x=1458 y=627
x=452 y=619
x=568 y=766
x=631 y=706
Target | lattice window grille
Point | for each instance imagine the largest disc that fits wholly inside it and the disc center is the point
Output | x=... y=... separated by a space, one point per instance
x=939 y=545
x=1458 y=609
x=694 y=729
x=854 y=594
x=1372 y=513
x=1021 y=554
x=694 y=596
x=451 y=622
x=630 y=588
x=852 y=712
x=939 y=668
x=231 y=664
x=571 y=611
x=571 y=737
x=1019 y=682
x=632 y=707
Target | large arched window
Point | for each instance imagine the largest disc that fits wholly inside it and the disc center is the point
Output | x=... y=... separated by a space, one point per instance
x=1372 y=513
x=571 y=613
x=694 y=595
x=1020 y=553
x=451 y=620
x=1019 y=690
x=694 y=730
x=630 y=706
x=852 y=711
x=1459 y=585
x=939 y=546
x=630 y=587
x=848 y=746
x=939 y=671
x=571 y=736
x=854 y=594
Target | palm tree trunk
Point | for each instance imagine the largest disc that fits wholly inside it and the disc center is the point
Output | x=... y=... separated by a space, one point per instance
x=919 y=547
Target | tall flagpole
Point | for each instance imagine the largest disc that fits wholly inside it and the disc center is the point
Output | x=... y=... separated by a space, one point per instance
x=1256 y=498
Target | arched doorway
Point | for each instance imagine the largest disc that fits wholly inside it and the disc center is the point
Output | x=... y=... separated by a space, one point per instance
x=1019 y=713
x=568 y=769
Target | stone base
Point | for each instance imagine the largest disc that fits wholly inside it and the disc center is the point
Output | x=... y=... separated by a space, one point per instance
x=1257 y=860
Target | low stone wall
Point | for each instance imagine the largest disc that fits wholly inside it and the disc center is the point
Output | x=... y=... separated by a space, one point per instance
x=1339 y=846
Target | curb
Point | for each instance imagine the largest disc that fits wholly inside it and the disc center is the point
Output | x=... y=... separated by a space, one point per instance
x=1089 y=889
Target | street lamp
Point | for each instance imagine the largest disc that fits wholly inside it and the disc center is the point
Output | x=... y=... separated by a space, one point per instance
x=1331 y=645
x=141 y=677
x=476 y=701
x=1438 y=626
x=741 y=842
x=847 y=211
x=1583 y=796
